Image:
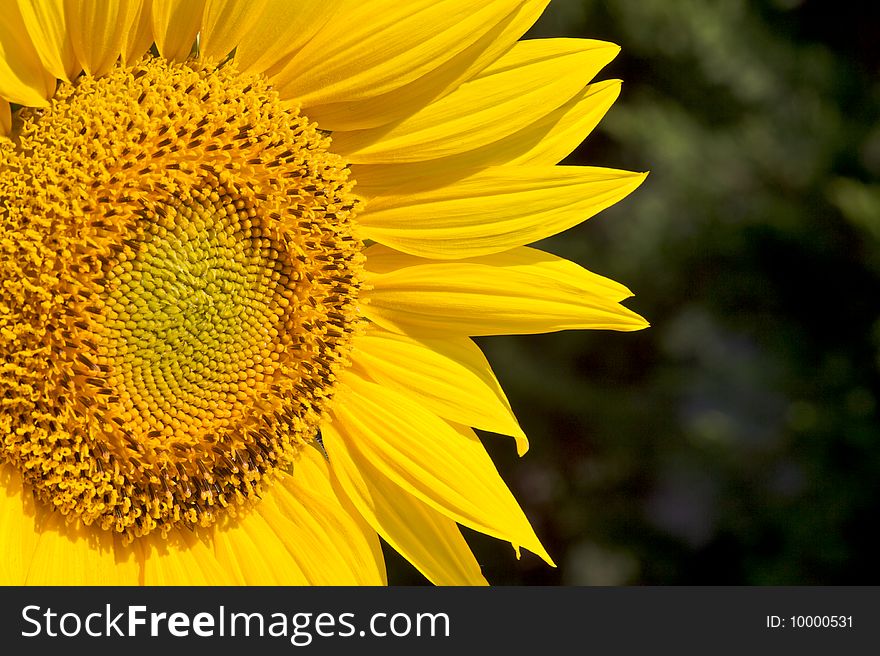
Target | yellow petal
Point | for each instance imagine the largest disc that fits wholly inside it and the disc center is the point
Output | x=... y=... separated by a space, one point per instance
x=520 y=291
x=17 y=533
x=299 y=533
x=225 y=24
x=5 y=118
x=527 y=83
x=397 y=103
x=255 y=553
x=334 y=543
x=376 y=47
x=175 y=26
x=556 y=135
x=341 y=546
x=547 y=141
x=73 y=554
x=424 y=456
x=429 y=540
x=283 y=28
x=23 y=78
x=139 y=37
x=99 y=31
x=46 y=24
x=183 y=558
x=450 y=377
x=493 y=210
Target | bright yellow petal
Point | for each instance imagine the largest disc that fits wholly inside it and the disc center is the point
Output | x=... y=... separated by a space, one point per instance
x=376 y=47
x=283 y=28
x=299 y=533
x=450 y=377
x=520 y=291
x=40 y=548
x=424 y=456
x=183 y=558
x=429 y=540
x=23 y=78
x=225 y=24
x=73 y=554
x=99 y=31
x=46 y=24
x=257 y=555
x=17 y=533
x=524 y=85
x=547 y=141
x=175 y=26
x=334 y=543
x=493 y=210
x=5 y=118
x=556 y=135
x=397 y=103
x=139 y=37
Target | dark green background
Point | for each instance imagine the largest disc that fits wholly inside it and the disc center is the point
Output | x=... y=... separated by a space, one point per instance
x=735 y=441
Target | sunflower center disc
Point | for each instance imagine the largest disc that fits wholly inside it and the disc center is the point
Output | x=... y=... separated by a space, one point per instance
x=178 y=289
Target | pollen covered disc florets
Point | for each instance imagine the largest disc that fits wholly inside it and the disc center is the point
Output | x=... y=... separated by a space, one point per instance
x=178 y=290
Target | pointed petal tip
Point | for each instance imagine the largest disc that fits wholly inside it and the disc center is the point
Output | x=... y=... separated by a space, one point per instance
x=611 y=49
x=638 y=176
x=642 y=176
x=536 y=548
x=639 y=323
x=630 y=321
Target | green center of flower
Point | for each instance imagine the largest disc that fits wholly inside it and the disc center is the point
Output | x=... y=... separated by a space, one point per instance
x=196 y=315
x=180 y=292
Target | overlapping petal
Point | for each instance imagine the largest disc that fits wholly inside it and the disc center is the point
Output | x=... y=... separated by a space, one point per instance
x=183 y=558
x=520 y=291
x=376 y=47
x=225 y=25
x=41 y=547
x=404 y=444
x=546 y=141
x=329 y=541
x=511 y=94
x=450 y=377
x=399 y=102
x=429 y=540
x=300 y=533
x=99 y=31
x=139 y=36
x=46 y=23
x=556 y=135
x=80 y=555
x=493 y=210
x=175 y=26
x=282 y=29
x=23 y=78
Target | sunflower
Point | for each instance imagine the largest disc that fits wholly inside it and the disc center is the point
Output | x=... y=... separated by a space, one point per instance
x=244 y=247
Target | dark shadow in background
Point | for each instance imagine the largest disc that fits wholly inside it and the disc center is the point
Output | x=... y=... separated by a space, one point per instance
x=737 y=440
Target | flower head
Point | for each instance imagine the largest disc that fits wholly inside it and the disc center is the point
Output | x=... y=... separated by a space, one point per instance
x=239 y=275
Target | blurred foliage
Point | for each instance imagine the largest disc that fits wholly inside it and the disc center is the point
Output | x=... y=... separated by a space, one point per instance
x=737 y=440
